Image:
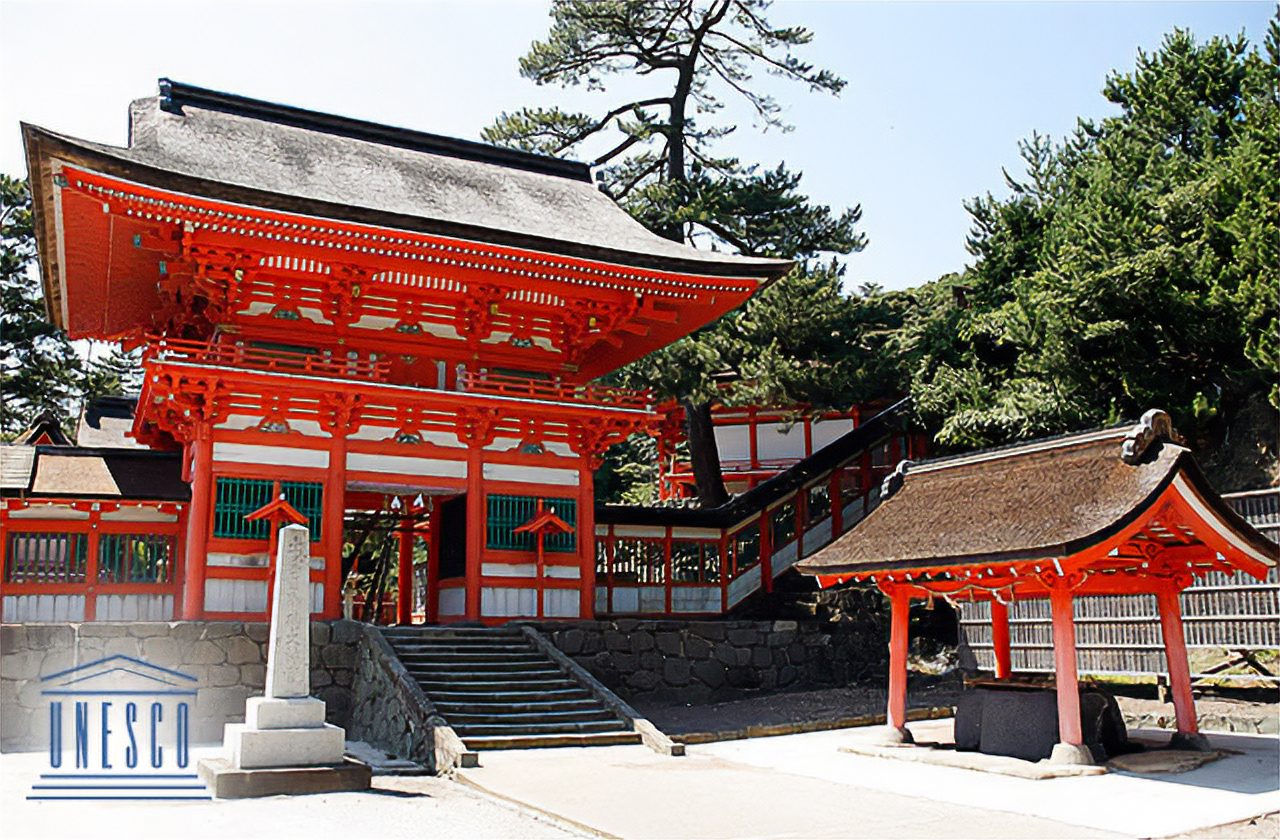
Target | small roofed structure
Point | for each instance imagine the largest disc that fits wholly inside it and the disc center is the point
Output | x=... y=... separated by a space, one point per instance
x=1122 y=511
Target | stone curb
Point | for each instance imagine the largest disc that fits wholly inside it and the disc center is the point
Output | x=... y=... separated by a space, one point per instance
x=653 y=737
x=771 y=730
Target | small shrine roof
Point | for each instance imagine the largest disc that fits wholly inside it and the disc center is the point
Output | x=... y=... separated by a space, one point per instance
x=206 y=143
x=91 y=473
x=1040 y=500
x=106 y=422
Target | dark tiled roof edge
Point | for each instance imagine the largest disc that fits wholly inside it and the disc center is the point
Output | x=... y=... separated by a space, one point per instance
x=173 y=95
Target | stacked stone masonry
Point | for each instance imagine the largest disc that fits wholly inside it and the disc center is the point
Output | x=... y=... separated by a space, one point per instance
x=696 y=661
x=228 y=658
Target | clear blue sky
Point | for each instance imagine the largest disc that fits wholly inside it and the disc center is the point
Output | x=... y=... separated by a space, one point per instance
x=938 y=96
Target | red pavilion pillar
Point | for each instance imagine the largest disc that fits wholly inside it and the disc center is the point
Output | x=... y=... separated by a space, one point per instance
x=1175 y=652
x=1000 y=639
x=1070 y=748
x=899 y=629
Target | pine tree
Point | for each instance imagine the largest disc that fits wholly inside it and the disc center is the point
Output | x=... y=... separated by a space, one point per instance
x=39 y=369
x=657 y=157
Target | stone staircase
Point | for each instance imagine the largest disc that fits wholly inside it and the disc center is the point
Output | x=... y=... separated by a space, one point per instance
x=498 y=690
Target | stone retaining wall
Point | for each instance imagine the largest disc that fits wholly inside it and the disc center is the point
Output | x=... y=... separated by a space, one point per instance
x=696 y=661
x=228 y=658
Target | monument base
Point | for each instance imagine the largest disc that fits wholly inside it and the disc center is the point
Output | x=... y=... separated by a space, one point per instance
x=261 y=749
x=226 y=781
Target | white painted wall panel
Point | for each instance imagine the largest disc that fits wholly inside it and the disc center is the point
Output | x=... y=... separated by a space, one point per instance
x=49 y=512
x=37 y=608
x=695 y=599
x=744 y=585
x=825 y=431
x=134 y=608
x=653 y=599
x=527 y=570
x=401 y=465
x=138 y=514
x=776 y=442
x=224 y=595
x=734 y=443
x=561 y=603
x=626 y=599
x=531 y=475
x=602 y=599
x=252 y=453
x=504 y=601
x=562 y=572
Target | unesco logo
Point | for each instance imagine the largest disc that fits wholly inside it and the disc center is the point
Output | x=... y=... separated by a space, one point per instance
x=119 y=728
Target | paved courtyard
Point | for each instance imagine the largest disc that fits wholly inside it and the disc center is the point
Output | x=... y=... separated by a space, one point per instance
x=787 y=786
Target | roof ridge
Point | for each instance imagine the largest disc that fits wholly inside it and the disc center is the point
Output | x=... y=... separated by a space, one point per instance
x=174 y=95
x=1021 y=447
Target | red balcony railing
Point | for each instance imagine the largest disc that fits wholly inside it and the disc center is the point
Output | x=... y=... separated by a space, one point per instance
x=505 y=385
x=240 y=354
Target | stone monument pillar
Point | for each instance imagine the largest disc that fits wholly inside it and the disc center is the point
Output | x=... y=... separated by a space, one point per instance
x=284 y=745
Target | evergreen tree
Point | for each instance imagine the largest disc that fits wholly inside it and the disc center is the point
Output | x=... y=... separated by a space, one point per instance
x=39 y=369
x=1134 y=266
x=657 y=157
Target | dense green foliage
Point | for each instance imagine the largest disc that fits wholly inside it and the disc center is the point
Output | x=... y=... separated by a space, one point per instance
x=40 y=370
x=1134 y=266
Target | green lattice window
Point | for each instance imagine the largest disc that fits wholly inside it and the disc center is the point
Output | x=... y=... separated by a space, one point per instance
x=307 y=497
x=135 y=558
x=235 y=498
x=506 y=513
x=46 y=557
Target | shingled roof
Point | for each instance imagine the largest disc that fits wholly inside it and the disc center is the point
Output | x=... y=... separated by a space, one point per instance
x=1042 y=500
x=74 y=472
x=262 y=154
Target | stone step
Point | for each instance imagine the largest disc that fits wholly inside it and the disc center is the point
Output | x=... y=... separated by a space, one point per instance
x=416 y=666
x=558 y=728
x=471 y=677
x=459 y=694
x=453 y=632
x=415 y=646
x=449 y=656
x=526 y=742
x=447 y=707
x=432 y=686
x=469 y=717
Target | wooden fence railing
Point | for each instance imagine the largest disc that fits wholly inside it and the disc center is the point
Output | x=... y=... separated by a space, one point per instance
x=1232 y=623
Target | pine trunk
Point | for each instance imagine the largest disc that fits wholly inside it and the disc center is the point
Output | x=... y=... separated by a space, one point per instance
x=704 y=455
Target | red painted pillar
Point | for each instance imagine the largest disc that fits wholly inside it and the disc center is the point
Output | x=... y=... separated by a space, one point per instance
x=404 y=573
x=900 y=610
x=475 y=529
x=199 y=515
x=1064 y=666
x=587 y=540
x=1000 y=639
x=1175 y=652
x=332 y=519
x=433 y=565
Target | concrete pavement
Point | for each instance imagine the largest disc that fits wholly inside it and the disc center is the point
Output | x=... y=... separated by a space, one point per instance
x=399 y=807
x=802 y=786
